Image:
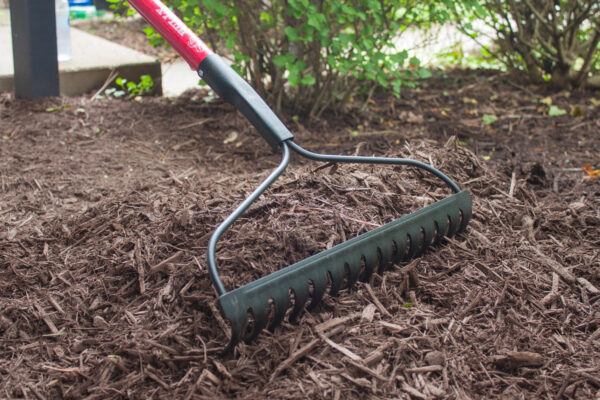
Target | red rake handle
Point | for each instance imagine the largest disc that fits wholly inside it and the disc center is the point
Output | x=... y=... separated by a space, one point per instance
x=173 y=30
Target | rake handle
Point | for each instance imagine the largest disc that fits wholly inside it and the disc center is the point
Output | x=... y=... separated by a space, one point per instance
x=223 y=79
x=173 y=30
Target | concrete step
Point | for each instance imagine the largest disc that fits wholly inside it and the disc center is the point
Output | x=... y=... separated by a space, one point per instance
x=94 y=59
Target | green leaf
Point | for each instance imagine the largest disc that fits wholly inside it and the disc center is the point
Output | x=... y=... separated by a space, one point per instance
x=424 y=73
x=556 y=112
x=293 y=78
x=308 y=80
x=292 y=34
x=281 y=60
x=489 y=119
x=230 y=43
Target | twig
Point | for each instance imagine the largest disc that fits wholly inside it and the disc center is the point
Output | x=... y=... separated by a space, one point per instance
x=471 y=305
x=550 y=297
x=376 y=301
x=428 y=368
x=332 y=323
x=377 y=354
x=55 y=304
x=340 y=348
x=367 y=370
x=161 y=265
x=298 y=354
x=593 y=336
x=556 y=267
x=393 y=327
x=46 y=319
x=195 y=123
x=513 y=183
x=137 y=261
x=588 y=285
x=155 y=378
x=413 y=392
x=111 y=77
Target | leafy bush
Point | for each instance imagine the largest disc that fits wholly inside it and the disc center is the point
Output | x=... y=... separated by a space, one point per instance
x=554 y=41
x=312 y=55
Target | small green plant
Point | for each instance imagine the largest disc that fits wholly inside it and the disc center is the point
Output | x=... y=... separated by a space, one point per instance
x=131 y=89
x=489 y=119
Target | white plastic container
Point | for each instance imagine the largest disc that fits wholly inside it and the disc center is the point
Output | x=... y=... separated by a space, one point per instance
x=63 y=30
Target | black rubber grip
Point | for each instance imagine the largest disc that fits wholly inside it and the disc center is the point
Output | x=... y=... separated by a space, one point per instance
x=235 y=90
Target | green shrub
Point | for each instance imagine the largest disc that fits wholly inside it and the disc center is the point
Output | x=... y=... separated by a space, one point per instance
x=308 y=56
x=554 y=41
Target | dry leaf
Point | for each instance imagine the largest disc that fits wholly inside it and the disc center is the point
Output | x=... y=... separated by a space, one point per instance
x=231 y=138
x=591 y=173
x=576 y=111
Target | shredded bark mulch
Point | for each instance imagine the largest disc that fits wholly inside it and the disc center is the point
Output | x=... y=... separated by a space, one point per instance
x=107 y=207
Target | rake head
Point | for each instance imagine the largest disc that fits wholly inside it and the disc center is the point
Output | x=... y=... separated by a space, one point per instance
x=286 y=292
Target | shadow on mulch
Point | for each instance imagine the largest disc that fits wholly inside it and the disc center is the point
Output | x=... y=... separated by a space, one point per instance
x=106 y=210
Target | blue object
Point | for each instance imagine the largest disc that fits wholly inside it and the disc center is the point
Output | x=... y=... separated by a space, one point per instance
x=80 y=3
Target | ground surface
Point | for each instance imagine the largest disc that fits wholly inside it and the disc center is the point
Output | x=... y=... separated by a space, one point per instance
x=107 y=206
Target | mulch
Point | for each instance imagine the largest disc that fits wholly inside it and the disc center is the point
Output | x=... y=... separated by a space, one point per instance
x=107 y=207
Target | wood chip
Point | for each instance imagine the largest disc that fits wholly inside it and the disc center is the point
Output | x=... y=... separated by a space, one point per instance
x=377 y=355
x=517 y=359
x=55 y=304
x=413 y=392
x=556 y=267
x=161 y=266
x=593 y=336
x=46 y=319
x=298 y=354
x=367 y=370
x=155 y=378
x=362 y=382
x=488 y=272
x=428 y=368
x=368 y=313
x=221 y=368
x=332 y=323
x=376 y=301
x=99 y=322
x=588 y=286
x=474 y=301
x=553 y=295
x=393 y=327
x=340 y=348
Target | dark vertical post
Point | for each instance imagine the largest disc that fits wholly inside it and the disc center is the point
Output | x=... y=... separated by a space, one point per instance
x=33 y=25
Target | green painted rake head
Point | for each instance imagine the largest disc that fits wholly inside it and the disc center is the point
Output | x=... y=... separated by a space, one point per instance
x=266 y=302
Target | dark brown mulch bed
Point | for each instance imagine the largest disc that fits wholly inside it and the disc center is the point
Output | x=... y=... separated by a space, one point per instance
x=95 y=196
